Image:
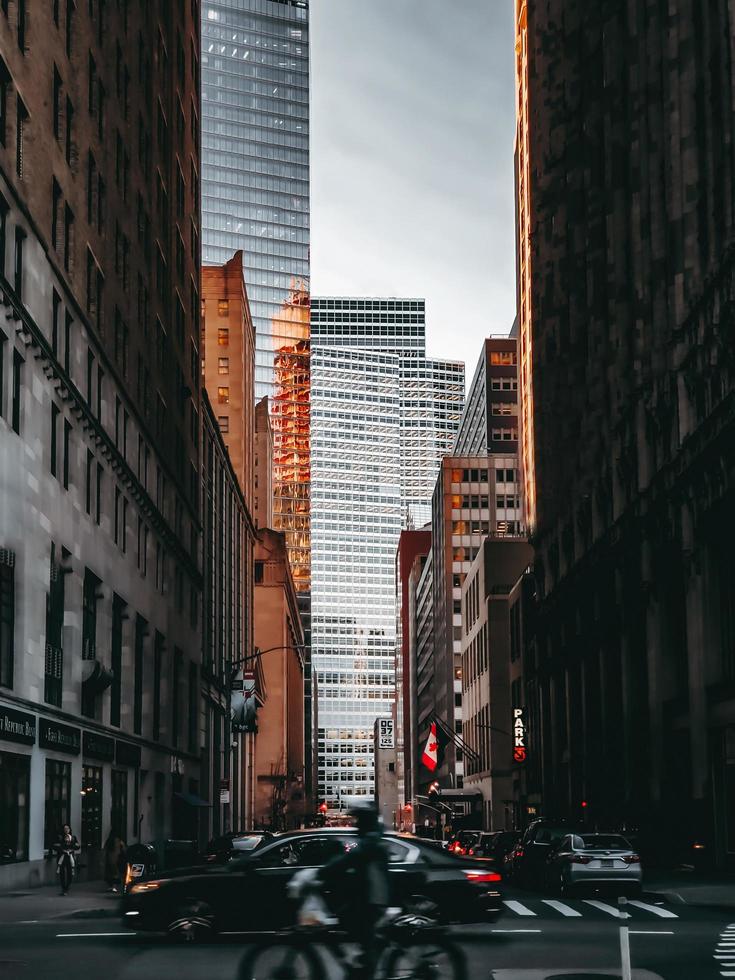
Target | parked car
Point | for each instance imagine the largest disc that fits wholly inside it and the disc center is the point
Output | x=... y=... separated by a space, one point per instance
x=494 y=845
x=249 y=893
x=222 y=849
x=526 y=863
x=594 y=860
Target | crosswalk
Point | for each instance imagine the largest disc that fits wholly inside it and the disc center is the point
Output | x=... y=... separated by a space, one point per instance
x=725 y=951
x=551 y=907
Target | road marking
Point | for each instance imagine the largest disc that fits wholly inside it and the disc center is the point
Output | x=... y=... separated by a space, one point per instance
x=515 y=930
x=90 y=935
x=603 y=907
x=651 y=932
x=566 y=910
x=662 y=913
x=518 y=908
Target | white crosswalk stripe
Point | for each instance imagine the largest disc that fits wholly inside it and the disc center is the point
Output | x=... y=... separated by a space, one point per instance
x=656 y=909
x=603 y=907
x=518 y=908
x=565 y=910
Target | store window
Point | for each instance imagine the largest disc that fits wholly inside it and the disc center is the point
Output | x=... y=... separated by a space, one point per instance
x=58 y=799
x=14 y=786
x=119 y=809
x=92 y=806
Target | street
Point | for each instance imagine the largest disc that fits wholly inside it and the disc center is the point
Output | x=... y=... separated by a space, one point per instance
x=539 y=938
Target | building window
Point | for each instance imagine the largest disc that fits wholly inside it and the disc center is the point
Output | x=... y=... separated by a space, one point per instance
x=92 y=806
x=20 y=237
x=223 y=396
x=58 y=800
x=141 y=630
x=224 y=423
x=54 y=661
x=193 y=706
x=14 y=811
x=21 y=15
x=57 y=103
x=5 y=81
x=118 y=611
x=223 y=336
x=16 y=392
x=89 y=615
x=90 y=470
x=224 y=365
x=157 y=669
x=223 y=307
x=66 y=450
x=119 y=808
x=7 y=617
x=54 y=439
x=20 y=122
x=259 y=571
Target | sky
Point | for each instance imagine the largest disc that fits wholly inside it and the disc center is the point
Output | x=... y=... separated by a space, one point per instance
x=412 y=126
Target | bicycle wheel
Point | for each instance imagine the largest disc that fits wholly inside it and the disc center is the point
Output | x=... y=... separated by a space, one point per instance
x=423 y=959
x=281 y=961
x=65 y=874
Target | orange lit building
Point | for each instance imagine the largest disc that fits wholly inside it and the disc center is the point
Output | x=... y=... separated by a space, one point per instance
x=290 y=416
x=523 y=249
x=263 y=476
x=228 y=356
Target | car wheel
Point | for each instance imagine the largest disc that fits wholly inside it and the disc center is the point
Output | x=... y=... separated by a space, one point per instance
x=193 y=922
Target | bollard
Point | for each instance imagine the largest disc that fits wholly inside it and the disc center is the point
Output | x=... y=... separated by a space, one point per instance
x=624 y=939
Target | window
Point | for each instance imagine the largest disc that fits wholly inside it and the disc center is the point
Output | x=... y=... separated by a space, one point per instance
x=141 y=630
x=223 y=336
x=67 y=342
x=7 y=617
x=68 y=238
x=4 y=86
x=21 y=15
x=16 y=393
x=98 y=506
x=157 y=669
x=54 y=660
x=54 y=439
x=223 y=307
x=224 y=423
x=14 y=811
x=69 y=146
x=89 y=615
x=90 y=459
x=118 y=610
x=20 y=122
x=57 y=103
x=223 y=395
x=92 y=806
x=224 y=365
x=20 y=237
x=67 y=441
x=258 y=572
x=58 y=800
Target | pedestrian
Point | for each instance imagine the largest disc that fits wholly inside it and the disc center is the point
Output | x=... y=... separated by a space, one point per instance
x=66 y=847
x=114 y=859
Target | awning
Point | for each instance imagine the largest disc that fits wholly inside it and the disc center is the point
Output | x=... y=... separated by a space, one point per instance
x=191 y=799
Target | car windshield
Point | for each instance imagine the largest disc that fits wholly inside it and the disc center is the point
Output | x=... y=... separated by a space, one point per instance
x=246 y=843
x=550 y=835
x=604 y=842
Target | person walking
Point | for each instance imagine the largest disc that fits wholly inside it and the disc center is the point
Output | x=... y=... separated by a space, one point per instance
x=67 y=846
x=114 y=860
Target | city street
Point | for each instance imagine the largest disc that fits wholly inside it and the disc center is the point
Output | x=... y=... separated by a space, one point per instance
x=539 y=938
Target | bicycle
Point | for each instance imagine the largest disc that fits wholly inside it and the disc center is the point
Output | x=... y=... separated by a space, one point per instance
x=413 y=948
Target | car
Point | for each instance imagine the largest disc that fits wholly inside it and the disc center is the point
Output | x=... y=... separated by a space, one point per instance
x=250 y=892
x=594 y=860
x=495 y=845
x=526 y=863
x=221 y=849
x=462 y=841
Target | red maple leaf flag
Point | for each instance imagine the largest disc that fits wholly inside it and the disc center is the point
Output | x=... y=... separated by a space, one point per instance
x=430 y=756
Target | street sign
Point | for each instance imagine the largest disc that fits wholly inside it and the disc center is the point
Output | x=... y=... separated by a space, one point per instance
x=242 y=702
x=386 y=735
x=520 y=747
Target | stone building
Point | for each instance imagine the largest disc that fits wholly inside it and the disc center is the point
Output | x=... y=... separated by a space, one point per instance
x=99 y=427
x=626 y=278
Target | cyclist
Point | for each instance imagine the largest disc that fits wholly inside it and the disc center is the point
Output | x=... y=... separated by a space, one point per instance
x=66 y=846
x=359 y=884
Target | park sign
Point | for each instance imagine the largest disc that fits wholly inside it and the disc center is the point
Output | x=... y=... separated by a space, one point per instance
x=520 y=747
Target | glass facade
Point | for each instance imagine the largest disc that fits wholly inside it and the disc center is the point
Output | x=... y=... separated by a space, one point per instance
x=255 y=158
x=382 y=416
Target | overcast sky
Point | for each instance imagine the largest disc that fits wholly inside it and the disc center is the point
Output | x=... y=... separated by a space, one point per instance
x=412 y=127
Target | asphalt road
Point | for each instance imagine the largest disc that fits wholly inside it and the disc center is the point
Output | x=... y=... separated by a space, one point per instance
x=539 y=938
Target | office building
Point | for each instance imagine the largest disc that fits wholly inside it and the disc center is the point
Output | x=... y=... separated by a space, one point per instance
x=363 y=350
x=629 y=397
x=100 y=642
x=255 y=158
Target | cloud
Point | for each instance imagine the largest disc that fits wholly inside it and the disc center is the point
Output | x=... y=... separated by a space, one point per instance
x=412 y=127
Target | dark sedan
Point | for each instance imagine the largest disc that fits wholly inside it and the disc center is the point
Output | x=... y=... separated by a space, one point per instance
x=249 y=894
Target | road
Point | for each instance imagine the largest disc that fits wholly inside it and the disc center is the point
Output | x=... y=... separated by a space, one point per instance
x=538 y=938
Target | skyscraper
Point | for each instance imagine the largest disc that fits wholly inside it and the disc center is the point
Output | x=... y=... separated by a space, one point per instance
x=255 y=157
x=371 y=476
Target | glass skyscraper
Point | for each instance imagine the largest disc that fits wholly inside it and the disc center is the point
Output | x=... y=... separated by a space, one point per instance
x=255 y=159
x=382 y=417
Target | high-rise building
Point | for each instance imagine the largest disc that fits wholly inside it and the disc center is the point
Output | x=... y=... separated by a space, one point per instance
x=255 y=158
x=100 y=642
x=629 y=397
x=366 y=470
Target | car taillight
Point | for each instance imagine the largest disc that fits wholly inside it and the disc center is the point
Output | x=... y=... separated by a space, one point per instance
x=631 y=859
x=518 y=853
x=483 y=877
x=471 y=851
x=580 y=859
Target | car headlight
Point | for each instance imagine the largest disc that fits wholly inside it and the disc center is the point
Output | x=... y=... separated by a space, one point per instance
x=145 y=886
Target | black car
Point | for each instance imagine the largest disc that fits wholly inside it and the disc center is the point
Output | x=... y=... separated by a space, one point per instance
x=221 y=849
x=527 y=860
x=495 y=845
x=249 y=893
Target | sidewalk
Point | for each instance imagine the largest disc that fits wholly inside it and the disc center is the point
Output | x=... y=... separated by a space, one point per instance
x=692 y=888
x=86 y=900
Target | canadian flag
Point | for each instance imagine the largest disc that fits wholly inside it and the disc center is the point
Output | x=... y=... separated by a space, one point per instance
x=430 y=758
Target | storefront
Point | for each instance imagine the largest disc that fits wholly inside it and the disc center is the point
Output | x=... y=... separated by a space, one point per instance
x=17 y=736
x=60 y=742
